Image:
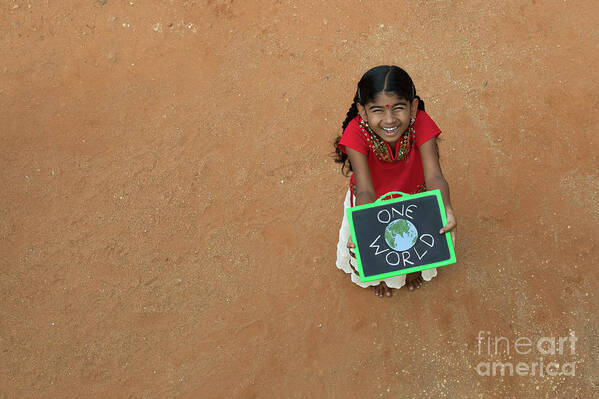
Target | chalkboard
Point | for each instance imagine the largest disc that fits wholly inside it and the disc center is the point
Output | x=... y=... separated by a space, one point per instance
x=400 y=235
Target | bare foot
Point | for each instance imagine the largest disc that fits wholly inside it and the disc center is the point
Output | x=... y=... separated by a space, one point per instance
x=382 y=290
x=414 y=280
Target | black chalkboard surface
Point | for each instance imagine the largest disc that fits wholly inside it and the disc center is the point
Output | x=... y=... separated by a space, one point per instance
x=400 y=235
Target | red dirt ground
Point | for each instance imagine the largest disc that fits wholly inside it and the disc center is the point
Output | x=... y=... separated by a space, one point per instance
x=169 y=209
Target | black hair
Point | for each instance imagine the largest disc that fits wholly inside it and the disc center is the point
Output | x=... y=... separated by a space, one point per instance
x=383 y=78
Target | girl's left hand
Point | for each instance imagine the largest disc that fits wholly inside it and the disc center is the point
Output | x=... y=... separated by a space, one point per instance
x=451 y=225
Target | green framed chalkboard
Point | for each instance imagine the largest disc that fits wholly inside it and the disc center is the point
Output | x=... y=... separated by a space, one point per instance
x=400 y=235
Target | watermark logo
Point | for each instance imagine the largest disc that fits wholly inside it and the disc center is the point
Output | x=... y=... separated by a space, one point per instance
x=552 y=355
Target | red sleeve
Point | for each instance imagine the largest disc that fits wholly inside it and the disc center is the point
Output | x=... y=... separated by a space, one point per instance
x=425 y=128
x=353 y=138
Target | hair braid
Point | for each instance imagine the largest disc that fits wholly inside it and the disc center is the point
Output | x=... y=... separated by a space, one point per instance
x=340 y=156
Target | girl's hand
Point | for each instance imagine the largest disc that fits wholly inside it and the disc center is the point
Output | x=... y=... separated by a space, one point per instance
x=350 y=243
x=451 y=225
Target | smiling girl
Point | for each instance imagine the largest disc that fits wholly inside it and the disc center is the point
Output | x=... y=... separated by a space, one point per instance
x=390 y=144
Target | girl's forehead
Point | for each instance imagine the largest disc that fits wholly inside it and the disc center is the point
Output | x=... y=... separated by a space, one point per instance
x=384 y=98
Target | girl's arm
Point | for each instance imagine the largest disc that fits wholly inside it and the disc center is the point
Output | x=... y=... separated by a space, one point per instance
x=364 y=188
x=434 y=179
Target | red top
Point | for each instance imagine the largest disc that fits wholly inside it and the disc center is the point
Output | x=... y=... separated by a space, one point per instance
x=406 y=175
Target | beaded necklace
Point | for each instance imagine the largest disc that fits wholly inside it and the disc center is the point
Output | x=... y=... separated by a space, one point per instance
x=381 y=150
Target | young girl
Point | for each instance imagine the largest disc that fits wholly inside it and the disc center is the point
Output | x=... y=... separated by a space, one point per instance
x=389 y=143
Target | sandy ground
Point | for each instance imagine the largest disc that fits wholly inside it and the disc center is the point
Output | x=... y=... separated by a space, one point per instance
x=169 y=209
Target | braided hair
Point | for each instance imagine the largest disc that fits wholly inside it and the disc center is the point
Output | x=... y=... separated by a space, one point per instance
x=383 y=78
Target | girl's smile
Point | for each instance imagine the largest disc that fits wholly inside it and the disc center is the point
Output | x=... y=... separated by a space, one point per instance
x=391 y=131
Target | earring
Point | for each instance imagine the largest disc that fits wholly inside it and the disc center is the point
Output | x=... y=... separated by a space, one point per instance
x=412 y=121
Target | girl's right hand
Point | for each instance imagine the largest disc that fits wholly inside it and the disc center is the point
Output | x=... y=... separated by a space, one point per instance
x=350 y=243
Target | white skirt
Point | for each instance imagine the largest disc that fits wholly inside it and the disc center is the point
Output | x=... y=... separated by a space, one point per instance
x=344 y=259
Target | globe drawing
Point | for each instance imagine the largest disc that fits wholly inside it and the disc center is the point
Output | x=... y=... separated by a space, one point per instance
x=401 y=234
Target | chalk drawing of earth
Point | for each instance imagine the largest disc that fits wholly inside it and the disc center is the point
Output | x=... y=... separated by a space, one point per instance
x=401 y=234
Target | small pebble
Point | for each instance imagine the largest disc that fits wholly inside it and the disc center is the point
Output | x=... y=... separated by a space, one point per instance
x=484 y=82
x=102 y=2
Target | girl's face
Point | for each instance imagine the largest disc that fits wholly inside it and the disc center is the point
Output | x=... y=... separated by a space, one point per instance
x=389 y=115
